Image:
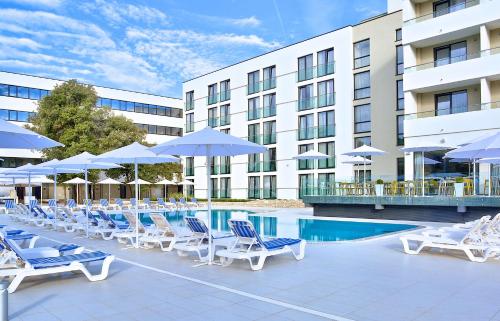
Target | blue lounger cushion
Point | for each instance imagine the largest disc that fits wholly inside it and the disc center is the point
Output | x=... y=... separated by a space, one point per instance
x=18 y=237
x=66 y=247
x=279 y=243
x=46 y=262
x=14 y=232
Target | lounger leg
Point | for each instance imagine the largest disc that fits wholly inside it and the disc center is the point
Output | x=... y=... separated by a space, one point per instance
x=260 y=263
x=302 y=251
x=473 y=258
x=406 y=247
x=104 y=270
x=16 y=281
x=33 y=241
x=170 y=246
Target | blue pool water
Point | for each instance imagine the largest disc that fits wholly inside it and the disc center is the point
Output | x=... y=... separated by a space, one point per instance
x=309 y=229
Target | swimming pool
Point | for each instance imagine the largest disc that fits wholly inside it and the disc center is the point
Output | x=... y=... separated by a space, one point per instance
x=306 y=228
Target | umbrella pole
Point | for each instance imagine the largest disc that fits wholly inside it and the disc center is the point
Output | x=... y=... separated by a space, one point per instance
x=55 y=186
x=423 y=175
x=489 y=180
x=86 y=203
x=29 y=190
x=209 y=206
x=136 y=205
x=77 y=196
x=109 y=193
x=364 y=176
x=474 y=177
x=165 y=192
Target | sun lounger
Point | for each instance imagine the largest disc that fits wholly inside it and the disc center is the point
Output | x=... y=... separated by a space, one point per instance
x=129 y=235
x=163 y=234
x=165 y=205
x=249 y=246
x=186 y=204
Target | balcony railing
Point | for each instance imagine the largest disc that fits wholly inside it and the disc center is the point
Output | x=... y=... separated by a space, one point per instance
x=306 y=103
x=269 y=193
x=189 y=127
x=255 y=138
x=253 y=88
x=225 y=193
x=254 y=193
x=269 y=166
x=326 y=163
x=269 y=83
x=269 y=139
x=215 y=193
x=213 y=122
x=225 y=168
x=450 y=60
x=269 y=111
x=454 y=110
x=438 y=13
x=214 y=170
x=305 y=164
x=306 y=74
x=189 y=105
x=212 y=99
x=325 y=69
x=253 y=167
x=254 y=113
x=326 y=100
x=316 y=132
x=225 y=120
x=225 y=95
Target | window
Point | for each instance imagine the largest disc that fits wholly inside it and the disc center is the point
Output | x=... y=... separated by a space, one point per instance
x=449 y=54
x=305 y=68
x=212 y=94
x=226 y=131
x=400 y=66
x=253 y=187
x=270 y=77
x=225 y=90
x=401 y=168
x=225 y=165
x=214 y=185
x=23 y=92
x=362 y=118
x=306 y=184
x=306 y=164
x=400 y=95
x=327 y=148
x=269 y=105
x=400 y=130
x=35 y=93
x=306 y=127
x=214 y=168
x=253 y=163
x=160 y=130
x=446 y=6
x=269 y=160
x=253 y=82
x=190 y=100
x=253 y=108
x=360 y=176
x=360 y=141
x=362 y=85
x=189 y=166
x=225 y=115
x=4 y=90
x=254 y=133
x=269 y=191
x=362 y=54
x=451 y=103
x=306 y=97
x=212 y=117
x=399 y=34
x=16 y=115
x=189 y=122
x=326 y=183
x=326 y=63
x=269 y=128
x=225 y=187
x=326 y=124
x=326 y=93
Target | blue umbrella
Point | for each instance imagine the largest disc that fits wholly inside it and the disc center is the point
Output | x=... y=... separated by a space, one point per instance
x=135 y=153
x=13 y=136
x=209 y=143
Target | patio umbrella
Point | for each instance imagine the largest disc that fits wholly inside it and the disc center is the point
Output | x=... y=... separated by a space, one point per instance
x=109 y=182
x=85 y=161
x=311 y=155
x=490 y=161
x=422 y=148
x=208 y=142
x=165 y=183
x=487 y=147
x=51 y=168
x=365 y=151
x=77 y=181
x=139 y=182
x=13 y=136
x=430 y=161
x=356 y=160
x=136 y=154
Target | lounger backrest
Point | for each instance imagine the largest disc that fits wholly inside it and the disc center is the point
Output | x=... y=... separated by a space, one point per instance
x=182 y=200
x=161 y=201
x=119 y=202
x=71 y=203
x=105 y=217
x=133 y=201
x=161 y=222
x=172 y=200
x=475 y=233
x=9 y=204
x=132 y=221
x=52 y=202
x=33 y=203
x=90 y=216
x=87 y=202
x=196 y=226
x=12 y=245
x=103 y=202
x=193 y=200
x=245 y=231
x=147 y=201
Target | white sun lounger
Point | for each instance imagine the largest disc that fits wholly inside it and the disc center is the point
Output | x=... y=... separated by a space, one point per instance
x=129 y=235
x=163 y=234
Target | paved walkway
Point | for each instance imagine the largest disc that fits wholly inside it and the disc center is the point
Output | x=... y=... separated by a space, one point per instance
x=370 y=280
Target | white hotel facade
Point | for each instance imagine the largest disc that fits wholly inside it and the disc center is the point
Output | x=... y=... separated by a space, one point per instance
x=349 y=87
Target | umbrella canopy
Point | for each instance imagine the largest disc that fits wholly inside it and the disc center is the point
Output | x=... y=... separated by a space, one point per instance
x=430 y=161
x=356 y=160
x=492 y=160
x=311 y=155
x=487 y=147
x=13 y=136
x=165 y=182
x=476 y=139
x=139 y=182
x=208 y=142
x=77 y=180
x=365 y=150
x=185 y=182
x=136 y=154
x=109 y=181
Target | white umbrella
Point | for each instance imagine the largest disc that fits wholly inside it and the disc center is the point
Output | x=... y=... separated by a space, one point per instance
x=13 y=136
x=51 y=167
x=423 y=147
x=430 y=161
x=209 y=143
x=165 y=183
x=311 y=155
x=109 y=182
x=139 y=182
x=185 y=182
x=490 y=161
x=77 y=181
x=134 y=153
x=365 y=151
x=356 y=160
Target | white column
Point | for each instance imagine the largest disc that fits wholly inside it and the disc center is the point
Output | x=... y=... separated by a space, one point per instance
x=409 y=10
x=410 y=55
x=484 y=35
x=485 y=94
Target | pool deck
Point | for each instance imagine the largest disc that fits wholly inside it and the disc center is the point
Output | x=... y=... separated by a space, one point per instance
x=365 y=280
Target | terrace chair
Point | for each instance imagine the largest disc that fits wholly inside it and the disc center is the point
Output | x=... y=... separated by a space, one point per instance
x=133 y=202
x=66 y=220
x=163 y=233
x=28 y=266
x=129 y=235
x=199 y=242
x=107 y=227
x=147 y=203
x=470 y=241
x=10 y=207
x=190 y=204
x=250 y=245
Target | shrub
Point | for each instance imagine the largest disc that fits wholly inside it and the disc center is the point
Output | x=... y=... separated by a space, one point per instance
x=459 y=180
x=379 y=181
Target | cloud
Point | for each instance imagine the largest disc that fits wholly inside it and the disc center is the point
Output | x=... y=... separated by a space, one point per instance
x=244 y=22
x=40 y=3
x=20 y=42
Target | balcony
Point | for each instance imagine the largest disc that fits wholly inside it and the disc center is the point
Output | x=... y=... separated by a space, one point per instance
x=268 y=139
x=253 y=167
x=225 y=95
x=439 y=13
x=455 y=110
x=316 y=132
x=269 y=111
x=213 y=122
x=325 y=69
x=269 y=83
x=306 y=74
x=437 y=75
x=326 y=100
x=306 y=103
x=253 y=88
x=254 y=113
x=212 y=99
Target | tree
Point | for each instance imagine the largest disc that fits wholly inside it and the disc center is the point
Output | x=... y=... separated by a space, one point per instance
x=69 y=116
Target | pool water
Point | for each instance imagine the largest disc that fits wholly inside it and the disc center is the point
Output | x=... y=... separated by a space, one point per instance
x=309 y=229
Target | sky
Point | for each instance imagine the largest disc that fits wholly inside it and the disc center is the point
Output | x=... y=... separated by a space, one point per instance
x=153 y=46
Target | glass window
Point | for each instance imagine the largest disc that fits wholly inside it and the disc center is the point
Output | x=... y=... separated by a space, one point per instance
x=225 y=187
x=253 y=163
x=12 y=115
x=269 y=190
x=446 y=6
x=253 y=108
x=212 y=117
x=254 y=133
x=326 y=124
x=306 y=127
x=189 y=166
x=399 y=34
x=189 y=122
x=360 y=141
x=400 y=130
x=22 y=116
x=190 y=100
x=362 y=85
x=130 y=106
x=35 y=93
x=269 y=77
x=253 y=82
x=151 y=129
x=327 y=148
x=105 y=102
x=269 y=105
x=23 y=92
x=400 y=67
x=306 y=164
x=451 y=103
x=4 y=90
x=400 y=96
x=225 y=115
x=269 y=128
x=362 y=54
x=305 y=68
x=269 y=160
x=326 y=64
x=401 y=168
x=44 y=93
x=306 y=97
x=326 y=183
x=326 y=93
x=212 y=94
x=225 y=90
x=4 y=114
x=161 y=130
x=449 y=54
x=306 y=184
x=362 y=118
x=115 y=104
x=12 y=91
x=214 y=185
x=253 y=187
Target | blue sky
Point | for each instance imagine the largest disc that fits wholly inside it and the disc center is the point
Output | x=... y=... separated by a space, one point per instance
x=152 y=46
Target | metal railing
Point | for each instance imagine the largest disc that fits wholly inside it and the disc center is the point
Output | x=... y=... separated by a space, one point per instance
x=316 y=132
x=254 y=113
x=224 y=95
x=454 y=110
x=225 y=120
x=212 y=99
x=439 y=13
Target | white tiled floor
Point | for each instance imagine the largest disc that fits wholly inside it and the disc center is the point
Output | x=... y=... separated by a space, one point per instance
x=371 y=280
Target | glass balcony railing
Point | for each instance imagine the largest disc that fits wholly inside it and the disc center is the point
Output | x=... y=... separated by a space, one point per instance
x=224 y=95
x=253 y=167
x=305 y=74
x=269 y=83
x=269 y=193
x=306 y=103
x=189 y=127
x=224 y=168
x=189 y=105
x=225 y=193
x=212 y=99
x=254 y=193
x=306 y=133
x=453 y=110
x=225 y=120
x=326 y=131
x=305 y=164
x=316 y=132
x=442 y=12
x=269 y=111
x=326 y=100
x=215 y=193
x=325 y=69
x=214 y=170
x=269 y=139
x=254 y=113
x=213 y=122
x=269 y=166
x=257 y=139
x=189 y=171
x=253 y=88
x=326 y=163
